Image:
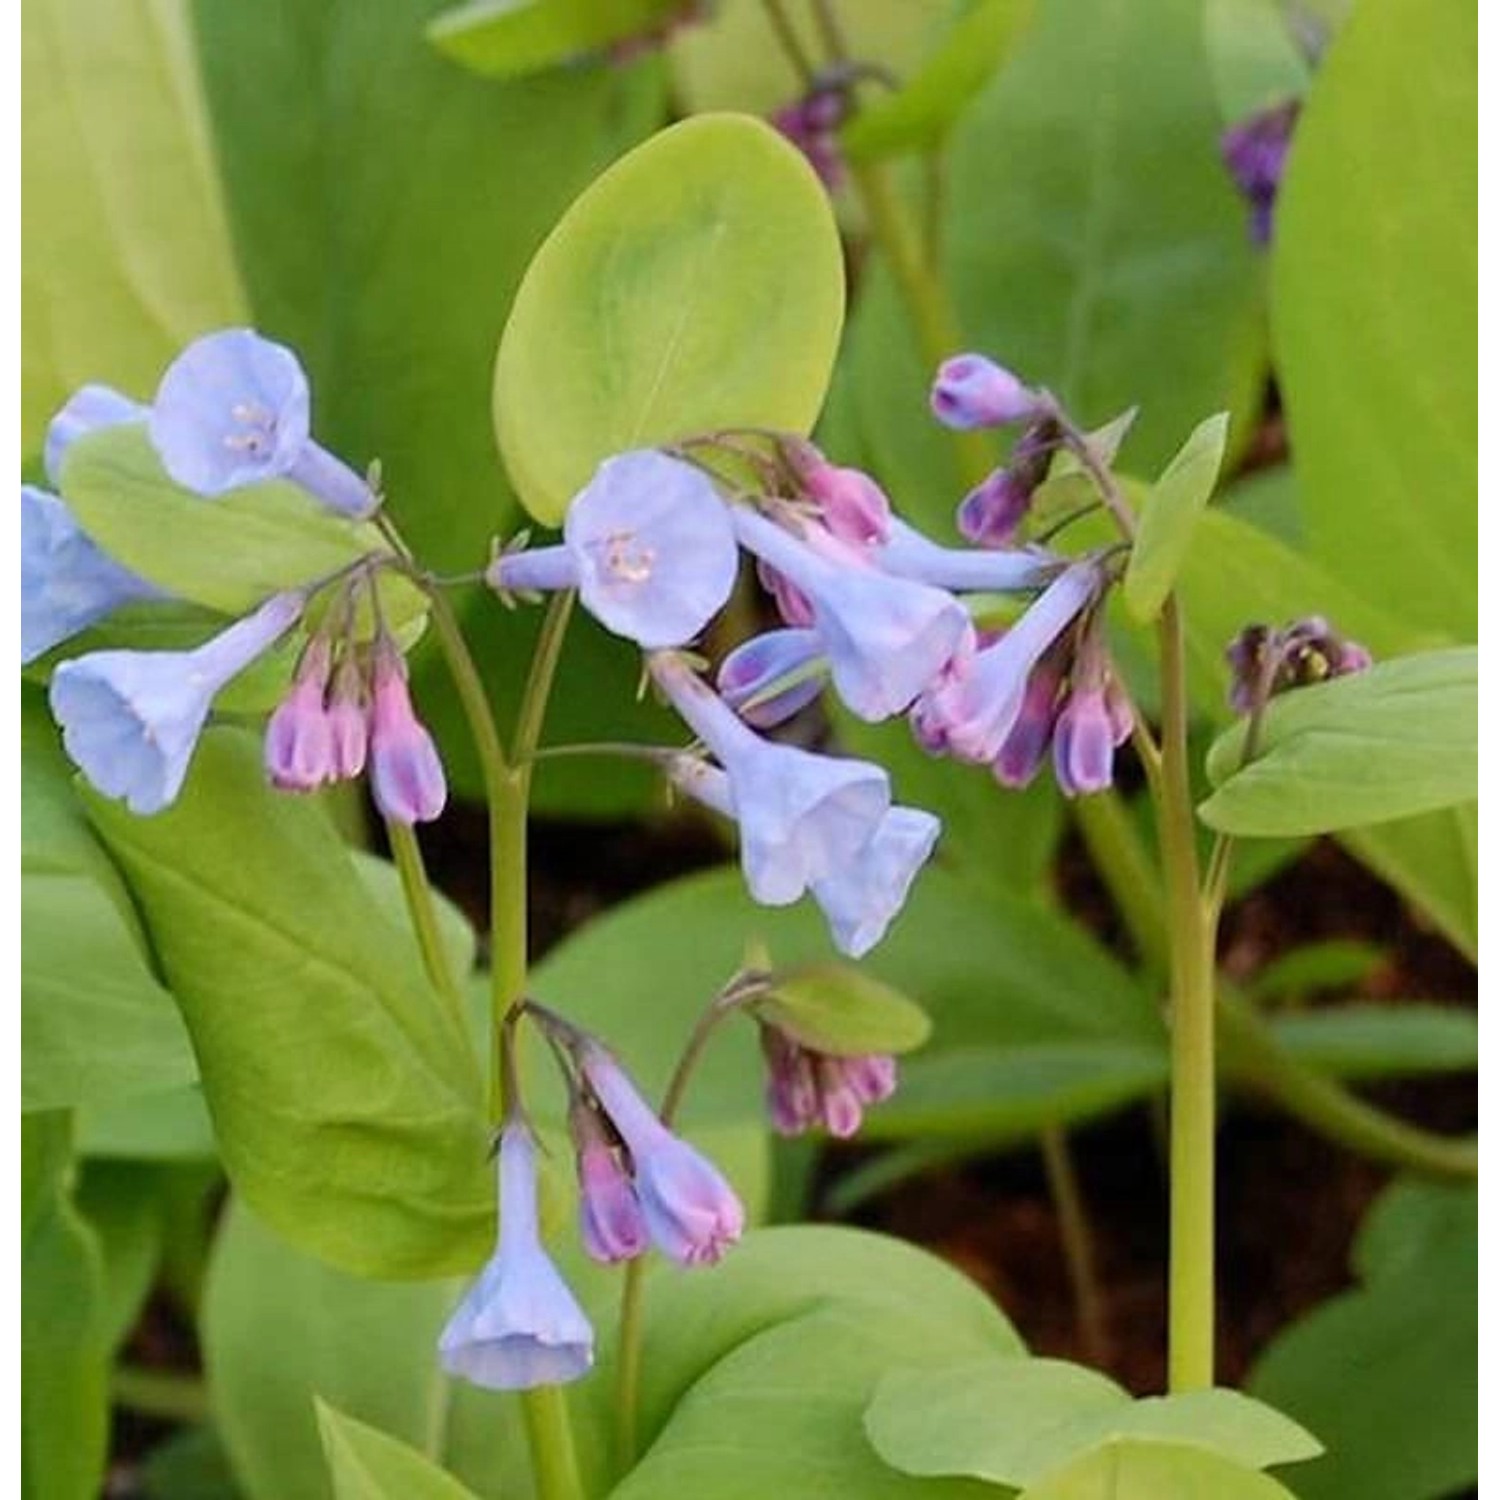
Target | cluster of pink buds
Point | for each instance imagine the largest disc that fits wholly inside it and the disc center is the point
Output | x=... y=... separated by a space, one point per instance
x=806 y=1088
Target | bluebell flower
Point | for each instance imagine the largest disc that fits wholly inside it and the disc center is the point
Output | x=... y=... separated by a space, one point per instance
x=299 y=749
x=131 y=719
x=91 y=408
x=648 y=545
x=972 y=391
x=862 y=898
x=1083 y=743
x=692 y=1213
x=887 y=638
x=1025 y=748
x=975 y=710
x=610 y=1218
x=772 y=676
x=852 y=506
x=67 y=583
x=518 y=1326
x=909 y=554
x=234 y=409
x=801 y=816
x=406 y=772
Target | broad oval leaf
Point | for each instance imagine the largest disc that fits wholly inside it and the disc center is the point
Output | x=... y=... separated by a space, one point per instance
x=367 y=1464
x=228 y=554
x=1134 y=1469
x=510 y=38
x=1374 y=295
x=1170 y=516
x=1398 y=739
x=346 y=1099
x=838 y=1009
x=698 y=284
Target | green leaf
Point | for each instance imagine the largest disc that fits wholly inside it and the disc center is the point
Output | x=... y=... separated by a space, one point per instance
x=1014 y=1422
x=1332 y=964
x=1374 y=289
x=759 y=1373
x=228 y=554
x=838 y=1009
x=173 y=1126
x=1382 y=1041
x=367 y=1464
x=120 y=1203
x=1171 y=515
x=925 y=107
x=1386 y=1374
x=382 y=881
x=346 y=1098
x=1390 y=742
x=126 y=254
x=1130 y=1469
x=95 y=1025
x=1255 y=59
x=1084 y=218
x=697 y=284
x=510 y=38
x=64 y=1348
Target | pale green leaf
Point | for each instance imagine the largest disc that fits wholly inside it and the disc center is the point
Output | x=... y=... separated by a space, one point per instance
x=697 y=284
x=346 y=1098
x=1131 y=1469
x=1256 y=61
x=367 y=1464
x=127 y=254
x=1373 y=300
x=1390 y=742
x=509 y=38
x=1380 y=1041
x=1171 y=513
x=838 y=1009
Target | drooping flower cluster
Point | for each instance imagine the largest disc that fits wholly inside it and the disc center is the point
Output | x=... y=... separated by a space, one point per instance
x=1264 y=661
x=806 y=1088
x=639 y=1185
x=232 y=410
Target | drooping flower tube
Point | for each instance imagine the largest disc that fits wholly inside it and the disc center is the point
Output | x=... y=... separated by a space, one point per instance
x=801 y=816
x=234 y=409
x=67 y=583
x=887 y=639
x=91 y=408
x=972 y=391
x=610 y=1218
x=909 y=554
x=976 y=710
x=692 y=1213
x=406 y=772
x=518 y=1325
x=648 y=545
x=770 y=677
x=131 y=719
x=299 y=750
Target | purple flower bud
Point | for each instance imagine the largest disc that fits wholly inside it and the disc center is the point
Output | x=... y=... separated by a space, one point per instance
x=299 y=738
x=841 y=1110
x=772 y=676
x=518 y=1326
x=978 y=709
x=406 y=774
x=1265 y=662
x=791 y=603
x=91 y=408
x=791 y=1083
x=611 y=1220
x=804 y=1087
x=1255 y=152
x=1083 y=746
x=854 y=508
x=348 y=722
x=972 y=391
x=887 y=639
x=862 y=898
x=67 y=583
x=647 y=543
x=811 y=125
x=691 y=1211
x=1025 y=747
x=234 y=409
x=131 y=719
x=872 y=1077
x=801 y=816
x=991 y=514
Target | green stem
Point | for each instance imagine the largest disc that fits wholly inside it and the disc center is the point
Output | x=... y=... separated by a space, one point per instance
x=549 y=1433
x=1078 y=1243
x=1190 y=1362
x=1128 y=871
x=1255 y=1057
x=160 y=1393
x=423 y=913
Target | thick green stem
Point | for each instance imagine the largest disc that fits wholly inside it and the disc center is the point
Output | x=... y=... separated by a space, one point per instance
x=549 y=1434
x=1077 y=1243
x=1253 y=1056
x=160 y=1393
x=1190 y=1361
x=422 y=910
